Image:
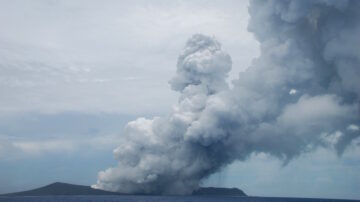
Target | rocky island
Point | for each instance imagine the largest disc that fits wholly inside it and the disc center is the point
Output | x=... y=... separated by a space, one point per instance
x=64 y=189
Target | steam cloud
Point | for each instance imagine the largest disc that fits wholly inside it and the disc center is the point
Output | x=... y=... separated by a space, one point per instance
x=301 y=93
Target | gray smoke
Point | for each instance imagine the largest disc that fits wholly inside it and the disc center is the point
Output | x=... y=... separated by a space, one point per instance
x=301 y=93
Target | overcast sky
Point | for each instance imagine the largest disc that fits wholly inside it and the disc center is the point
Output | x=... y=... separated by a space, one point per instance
x=73 y=73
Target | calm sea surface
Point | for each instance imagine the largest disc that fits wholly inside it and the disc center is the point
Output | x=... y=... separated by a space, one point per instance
x=159 y=199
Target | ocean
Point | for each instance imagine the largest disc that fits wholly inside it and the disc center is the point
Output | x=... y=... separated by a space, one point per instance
x=159 y=199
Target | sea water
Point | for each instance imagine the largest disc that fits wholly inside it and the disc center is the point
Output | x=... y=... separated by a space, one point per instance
x=159 y=199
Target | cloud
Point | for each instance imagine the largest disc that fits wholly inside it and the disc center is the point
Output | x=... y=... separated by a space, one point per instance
x=39 y=147
x=214 y=124
x=65 y=56
x=142 y=158
x=353 y=127
x=28 y=135
x=23 y=148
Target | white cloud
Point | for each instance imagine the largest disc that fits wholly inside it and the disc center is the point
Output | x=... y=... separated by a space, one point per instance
x=76 y=56
x=44 y=147
x=16 y=149
x=292 y=91
x=353 y=127
x=215 y=124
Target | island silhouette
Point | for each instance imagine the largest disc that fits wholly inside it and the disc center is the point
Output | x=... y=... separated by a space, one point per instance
x=66 y=189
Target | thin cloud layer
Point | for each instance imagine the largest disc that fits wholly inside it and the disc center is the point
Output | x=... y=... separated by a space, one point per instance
x=61 y=56
x=301 y=93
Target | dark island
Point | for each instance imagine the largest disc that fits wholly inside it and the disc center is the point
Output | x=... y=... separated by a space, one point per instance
x=219 y=191
x=65 y=189
x=59 y=188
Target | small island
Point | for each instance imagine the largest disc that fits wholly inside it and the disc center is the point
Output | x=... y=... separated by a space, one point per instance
x=65 y=189
x=216 y=191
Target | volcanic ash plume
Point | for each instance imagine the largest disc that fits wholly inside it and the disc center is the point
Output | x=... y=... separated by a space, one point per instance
x=301 y=93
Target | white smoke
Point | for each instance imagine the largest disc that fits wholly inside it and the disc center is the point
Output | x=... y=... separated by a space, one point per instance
x=301 y=93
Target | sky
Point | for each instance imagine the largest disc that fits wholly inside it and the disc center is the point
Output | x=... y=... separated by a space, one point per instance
x=73 y=73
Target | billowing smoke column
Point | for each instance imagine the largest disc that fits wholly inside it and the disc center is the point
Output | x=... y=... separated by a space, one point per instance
x=301 y=93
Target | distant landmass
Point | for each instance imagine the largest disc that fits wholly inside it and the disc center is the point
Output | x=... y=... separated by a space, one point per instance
x=59 y=188
x=219 y=191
